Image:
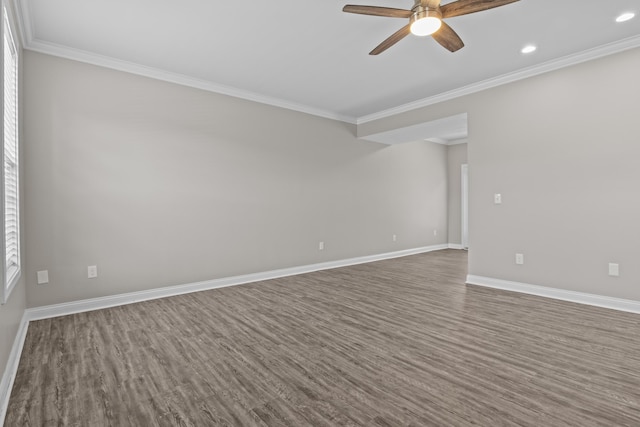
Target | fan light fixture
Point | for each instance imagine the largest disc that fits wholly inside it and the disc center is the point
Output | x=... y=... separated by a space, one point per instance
x=425 y=22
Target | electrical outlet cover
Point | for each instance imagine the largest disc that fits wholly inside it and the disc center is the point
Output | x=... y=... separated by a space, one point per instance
x=92 y=271
x=43 y=277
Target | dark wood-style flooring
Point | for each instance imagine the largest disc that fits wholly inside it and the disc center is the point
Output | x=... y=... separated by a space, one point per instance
x=393 y=343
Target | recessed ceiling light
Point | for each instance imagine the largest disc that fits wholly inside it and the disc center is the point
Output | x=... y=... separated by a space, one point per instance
x=625 y=17
x=528 y=49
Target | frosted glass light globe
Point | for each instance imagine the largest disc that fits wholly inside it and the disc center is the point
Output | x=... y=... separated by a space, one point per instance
x=425 y=26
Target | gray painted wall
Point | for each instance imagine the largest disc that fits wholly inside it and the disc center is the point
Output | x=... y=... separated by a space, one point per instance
x=562 y=149
x=159 y=184
x=456 y=157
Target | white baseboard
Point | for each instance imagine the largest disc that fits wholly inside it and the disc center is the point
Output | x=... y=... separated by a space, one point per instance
x=561 y=294
x=455 y=246
x=6 y=384
x=64 y=309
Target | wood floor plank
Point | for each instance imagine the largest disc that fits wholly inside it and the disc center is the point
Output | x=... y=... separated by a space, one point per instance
x=396 y=342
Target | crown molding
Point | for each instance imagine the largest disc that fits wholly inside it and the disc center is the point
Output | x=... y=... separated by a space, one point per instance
x=566 y=61
x=141 y=70
x=27 y=33
x=24 y=22
x=30 y=43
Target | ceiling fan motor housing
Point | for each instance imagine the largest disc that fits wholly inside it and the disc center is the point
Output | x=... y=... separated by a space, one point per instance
x=420 y=12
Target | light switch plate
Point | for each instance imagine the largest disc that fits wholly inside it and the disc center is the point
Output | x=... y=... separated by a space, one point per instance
x=614 y=269
x=497 y=198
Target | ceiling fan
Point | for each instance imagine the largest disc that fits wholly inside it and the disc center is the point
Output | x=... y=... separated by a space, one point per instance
x=426 y=18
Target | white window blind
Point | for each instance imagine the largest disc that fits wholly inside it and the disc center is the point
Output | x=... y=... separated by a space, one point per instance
x=10 y=158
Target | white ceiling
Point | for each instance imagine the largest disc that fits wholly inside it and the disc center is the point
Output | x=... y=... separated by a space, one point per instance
x=310 y=56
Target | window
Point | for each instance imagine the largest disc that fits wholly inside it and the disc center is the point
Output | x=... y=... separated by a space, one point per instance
x=11 y=203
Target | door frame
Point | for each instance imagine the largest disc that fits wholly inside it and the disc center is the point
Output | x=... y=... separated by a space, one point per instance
x=464 y=190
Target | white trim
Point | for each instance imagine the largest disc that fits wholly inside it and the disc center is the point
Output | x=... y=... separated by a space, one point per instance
x=12 y=367
x=23 y=21
x=560 y=294
x=25 y=26
x=181 y=79
x=464 y=205
x=566 y=61
x=455 y=246
x=64 y=309
x=27 y=32
x=11 y=275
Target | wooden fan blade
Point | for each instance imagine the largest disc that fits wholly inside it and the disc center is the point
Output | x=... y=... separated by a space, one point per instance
x=393 y=39
x=377 y=11
x=464 y=7
x=448 y=38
